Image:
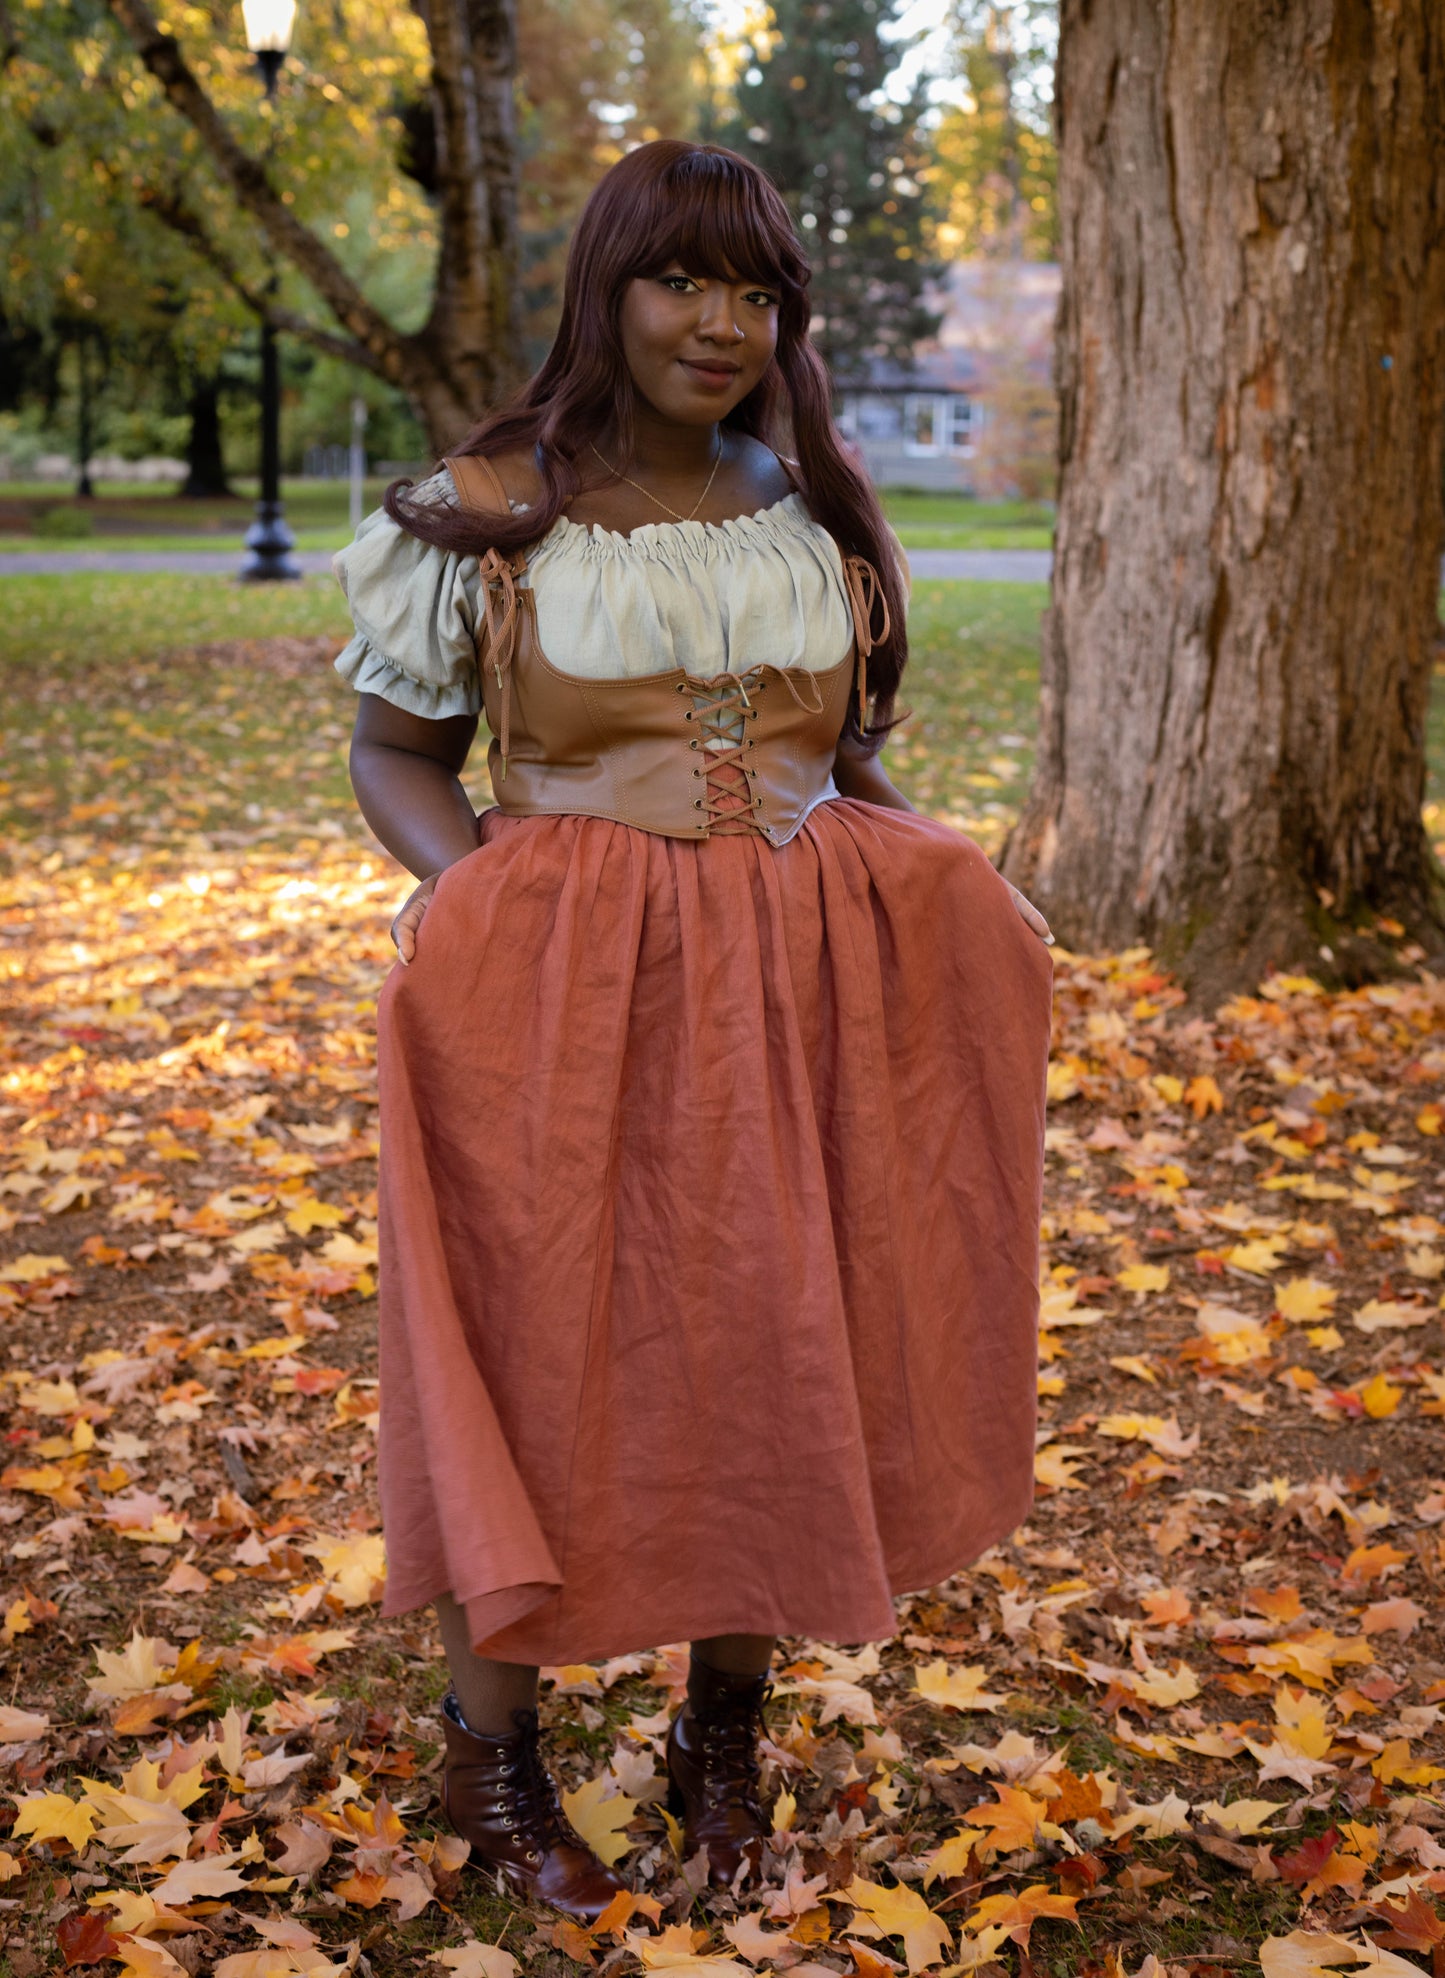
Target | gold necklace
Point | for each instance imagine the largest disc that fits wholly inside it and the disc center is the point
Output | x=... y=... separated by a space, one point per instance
x=676 y=515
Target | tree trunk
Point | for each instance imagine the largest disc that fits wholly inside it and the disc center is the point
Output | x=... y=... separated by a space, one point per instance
x=205 y=462
x=1251 y=351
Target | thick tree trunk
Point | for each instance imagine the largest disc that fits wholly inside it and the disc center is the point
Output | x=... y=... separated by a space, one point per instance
x=1237 y=654
x=205 y=461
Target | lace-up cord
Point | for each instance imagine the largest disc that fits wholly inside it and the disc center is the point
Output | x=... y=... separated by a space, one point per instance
x=500 y=616
x=730 y=1742
x=539 y=1810
x=865 y=598
x=722 y=710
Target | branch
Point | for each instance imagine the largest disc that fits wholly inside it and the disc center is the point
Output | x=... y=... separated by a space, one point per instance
x=182 y=220
x=161 y=54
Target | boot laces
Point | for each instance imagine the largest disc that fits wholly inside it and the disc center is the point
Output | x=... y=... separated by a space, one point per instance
x=730 y=1732
x=539 y=1809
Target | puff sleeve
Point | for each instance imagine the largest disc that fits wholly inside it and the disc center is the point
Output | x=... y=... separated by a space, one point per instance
x=414 y=608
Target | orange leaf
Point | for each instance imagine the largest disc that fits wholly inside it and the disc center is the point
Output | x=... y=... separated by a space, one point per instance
x=1018 y=1913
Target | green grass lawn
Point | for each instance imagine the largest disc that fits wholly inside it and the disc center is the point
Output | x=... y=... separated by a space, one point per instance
x=153 y=519
x=225 y=738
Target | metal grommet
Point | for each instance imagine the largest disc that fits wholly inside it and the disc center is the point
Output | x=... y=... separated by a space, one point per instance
x=697 y=803
x=688 y=715
x=697 y=772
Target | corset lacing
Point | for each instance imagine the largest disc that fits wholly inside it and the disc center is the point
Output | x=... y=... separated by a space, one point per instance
x=728 y=801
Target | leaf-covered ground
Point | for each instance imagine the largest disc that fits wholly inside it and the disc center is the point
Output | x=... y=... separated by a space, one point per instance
x=1187 y=1720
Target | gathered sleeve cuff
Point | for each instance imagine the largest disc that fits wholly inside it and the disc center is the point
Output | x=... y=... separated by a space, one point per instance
x=414 y=608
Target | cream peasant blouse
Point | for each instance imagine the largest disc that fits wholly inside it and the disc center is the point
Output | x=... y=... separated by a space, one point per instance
x=712 y=597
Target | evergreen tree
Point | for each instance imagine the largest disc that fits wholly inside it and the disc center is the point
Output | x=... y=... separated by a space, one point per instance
x=810 y=109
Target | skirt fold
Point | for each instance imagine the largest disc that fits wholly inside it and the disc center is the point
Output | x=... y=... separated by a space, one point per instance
x=710 y=1204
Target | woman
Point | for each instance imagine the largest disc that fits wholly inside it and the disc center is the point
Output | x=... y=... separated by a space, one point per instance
x=712 y=1083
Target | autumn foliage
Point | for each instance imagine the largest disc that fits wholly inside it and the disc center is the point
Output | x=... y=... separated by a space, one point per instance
x=1186 y=1720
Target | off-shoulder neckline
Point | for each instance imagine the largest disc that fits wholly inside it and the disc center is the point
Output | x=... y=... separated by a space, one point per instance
x=646 y=533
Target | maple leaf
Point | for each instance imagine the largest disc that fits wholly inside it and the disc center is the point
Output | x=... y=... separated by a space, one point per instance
x=600 y=1817
x=1054 y=1468
x=21 y=1726
x=355 y=1568
x=1415 y=1926
x=1303 y=1863
x=898 y=1912
x=1017 y=1912
x=211 y=1875
x=1311 y=1954
x=140 y=1958
x=54 y=1817
x=1142 y=1278
x=1388 y=1315
x=478 y=1960
x=955 y=1689
x=837 y=1697
x=1398 y=1616
x=1013 y=1823
x=1304 y=1299
x=672 y=1950
x=1243 y=1816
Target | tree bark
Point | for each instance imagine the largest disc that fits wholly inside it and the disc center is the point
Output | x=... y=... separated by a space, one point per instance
x=205 y=461
x=1251 y=354
x=468 y=352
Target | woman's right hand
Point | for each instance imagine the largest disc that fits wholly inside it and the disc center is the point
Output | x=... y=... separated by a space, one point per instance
x=404 y=927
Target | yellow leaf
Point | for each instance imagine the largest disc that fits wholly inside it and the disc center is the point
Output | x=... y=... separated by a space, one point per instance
x=672 y=1950
x=955 y=1689
x=1394 y=1767
x=1140 y=1369
x=952 y=1858
x=1303 y=1722
x=54 y=1817
x=1380 y=1397
x=600 y=1820
x=1389 y=1315
x=785 y=1812
x=478 y=1960
x=1246 y=1817
x=902 y=1913
x=354 y=1568
x=1304 y=1298
x=1143 y=1277
x=1258 y=1257
x=311 y=1213
x=1053 y=1469
x=30 y=1269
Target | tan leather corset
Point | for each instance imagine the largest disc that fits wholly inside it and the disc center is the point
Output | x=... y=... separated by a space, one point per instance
x=668 y=752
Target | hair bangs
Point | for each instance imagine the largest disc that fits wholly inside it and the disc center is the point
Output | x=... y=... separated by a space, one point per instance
x=716 y=220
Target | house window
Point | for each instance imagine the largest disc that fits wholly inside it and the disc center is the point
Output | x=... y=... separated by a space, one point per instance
x=923 y=425
x=959 y=425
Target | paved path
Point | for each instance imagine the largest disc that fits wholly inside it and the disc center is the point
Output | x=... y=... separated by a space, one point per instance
x=186 y=562
x=996 y=566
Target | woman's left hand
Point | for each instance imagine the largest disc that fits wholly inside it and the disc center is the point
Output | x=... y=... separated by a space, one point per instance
x=1030 y=915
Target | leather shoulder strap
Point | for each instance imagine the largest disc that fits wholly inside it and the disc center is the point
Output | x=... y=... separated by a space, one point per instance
x=478 y=484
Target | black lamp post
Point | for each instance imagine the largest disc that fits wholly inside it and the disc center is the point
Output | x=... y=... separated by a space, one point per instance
x=268 y=540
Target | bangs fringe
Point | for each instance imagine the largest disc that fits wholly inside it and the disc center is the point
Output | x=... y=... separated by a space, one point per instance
x=707 y=214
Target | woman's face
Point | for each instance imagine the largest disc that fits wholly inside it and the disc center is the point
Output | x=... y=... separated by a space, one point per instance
x=696 y=345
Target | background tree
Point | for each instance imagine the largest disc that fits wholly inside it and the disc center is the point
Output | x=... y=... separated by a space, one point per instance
x=812 y=110
x=392 y=200
x=1237 y=656
x=995 y=167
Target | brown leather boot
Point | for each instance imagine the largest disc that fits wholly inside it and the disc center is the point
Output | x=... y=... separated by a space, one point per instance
x=712 y=1767
x=499 y=1795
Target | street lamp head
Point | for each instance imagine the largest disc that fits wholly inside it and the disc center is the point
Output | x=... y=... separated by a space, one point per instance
x=268 y=25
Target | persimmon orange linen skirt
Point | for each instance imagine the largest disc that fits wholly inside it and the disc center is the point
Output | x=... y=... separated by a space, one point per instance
x=709 y=1230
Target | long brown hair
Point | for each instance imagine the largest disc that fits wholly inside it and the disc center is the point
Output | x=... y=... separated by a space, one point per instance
x=717 y=215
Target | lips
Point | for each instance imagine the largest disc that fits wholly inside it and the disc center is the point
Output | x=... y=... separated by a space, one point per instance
x=716 y=373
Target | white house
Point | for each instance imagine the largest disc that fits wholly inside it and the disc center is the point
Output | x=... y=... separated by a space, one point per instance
x=926 y=426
